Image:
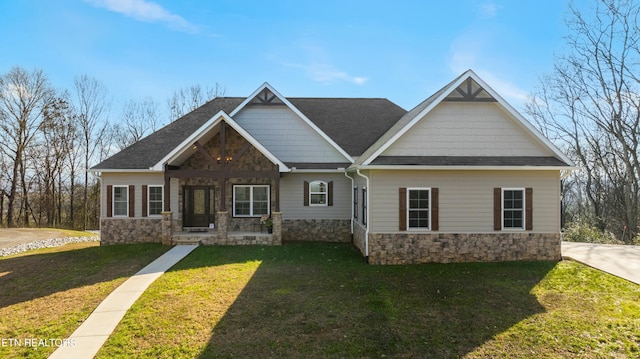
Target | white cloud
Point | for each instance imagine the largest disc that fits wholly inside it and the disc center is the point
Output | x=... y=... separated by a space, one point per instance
x=146 y=11
x=488 y=9
x=326 y=73
x=319 y=68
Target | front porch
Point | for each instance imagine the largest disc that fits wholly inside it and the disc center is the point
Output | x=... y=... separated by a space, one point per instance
x=225 y=186
x=220 y=235
x=233 y=238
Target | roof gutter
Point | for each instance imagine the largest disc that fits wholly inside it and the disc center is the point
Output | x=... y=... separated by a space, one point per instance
x=116 y=170
x=366 y=229
x=466 y=168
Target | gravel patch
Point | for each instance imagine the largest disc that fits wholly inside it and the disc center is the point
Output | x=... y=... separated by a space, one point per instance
x=47 y=243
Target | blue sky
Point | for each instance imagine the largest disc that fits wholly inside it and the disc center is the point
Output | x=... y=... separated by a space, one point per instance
x=401 y=50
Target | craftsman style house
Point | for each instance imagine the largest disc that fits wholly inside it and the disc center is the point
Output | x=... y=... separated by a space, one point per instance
x=460 y=177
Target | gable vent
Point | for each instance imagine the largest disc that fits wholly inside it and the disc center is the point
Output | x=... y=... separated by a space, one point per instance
x=266 y=97
x=470 y=91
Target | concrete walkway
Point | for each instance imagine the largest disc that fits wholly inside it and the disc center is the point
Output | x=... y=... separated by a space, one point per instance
x=619 y=260
x=94 y=331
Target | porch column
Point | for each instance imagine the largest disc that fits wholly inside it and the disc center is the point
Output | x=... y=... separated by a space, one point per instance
x=222 y=223
x=166 y=206
x=277 y=180
x=167 y=227
x=276 y=217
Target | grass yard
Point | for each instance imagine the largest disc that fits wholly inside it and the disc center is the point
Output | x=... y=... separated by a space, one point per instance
x=319 y=300
x=45 y=294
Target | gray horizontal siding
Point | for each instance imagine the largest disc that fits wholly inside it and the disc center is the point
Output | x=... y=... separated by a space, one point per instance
x=286 y=135
x=292 y=197
x=465 y=197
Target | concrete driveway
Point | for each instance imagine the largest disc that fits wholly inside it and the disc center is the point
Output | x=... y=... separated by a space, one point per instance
x=10 y=237
x=619 y=260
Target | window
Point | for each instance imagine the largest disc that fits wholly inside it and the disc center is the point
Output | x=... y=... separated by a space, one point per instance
x=155 y=200
x=120 y=201
x=355 y=202
x=364 y=206
x=513 y=208
x=250 y=201
x=418 y=207
x=318 y=193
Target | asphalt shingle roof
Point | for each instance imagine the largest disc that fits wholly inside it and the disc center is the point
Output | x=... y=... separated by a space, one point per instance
x=353 y=123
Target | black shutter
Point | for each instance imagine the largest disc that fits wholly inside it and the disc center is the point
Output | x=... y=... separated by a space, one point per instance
x=529 y=209
x=435 y=209
x=132 y=202
x=497 y=209
x=402 y=209
x=144 y=200
x=109 y=201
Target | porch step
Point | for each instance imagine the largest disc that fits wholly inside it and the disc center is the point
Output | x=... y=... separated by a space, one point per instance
x=186 y=241
x=197 y=229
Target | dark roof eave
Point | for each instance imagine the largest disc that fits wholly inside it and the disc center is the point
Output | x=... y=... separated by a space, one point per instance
x=488 y=161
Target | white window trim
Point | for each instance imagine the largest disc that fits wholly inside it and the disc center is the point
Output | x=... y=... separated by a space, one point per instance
x=252 y=186
x=409 y=228
x=149 y=200
x=113 y=200
x=524 y=208
x=325 y=193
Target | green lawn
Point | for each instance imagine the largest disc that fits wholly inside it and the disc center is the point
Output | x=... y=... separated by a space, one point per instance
x=320 y=300
x=46 y=294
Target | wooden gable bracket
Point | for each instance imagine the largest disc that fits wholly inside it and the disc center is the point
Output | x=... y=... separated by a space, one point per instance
x=204 y=152
x=468 y=95
x=239 y=154
x=266 y=97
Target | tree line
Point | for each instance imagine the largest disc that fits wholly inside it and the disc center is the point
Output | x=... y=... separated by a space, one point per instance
x=49 y=137
x=590 y=105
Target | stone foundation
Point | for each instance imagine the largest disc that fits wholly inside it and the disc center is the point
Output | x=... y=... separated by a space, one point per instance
x=406 y=248
x=316 y=230
x=130 y=230
x=243 y=239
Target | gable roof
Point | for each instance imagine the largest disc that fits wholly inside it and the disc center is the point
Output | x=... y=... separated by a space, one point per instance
x=186 y=144
x=145 y=153
x=341 y=119
x=268 y=95
x=461 y=88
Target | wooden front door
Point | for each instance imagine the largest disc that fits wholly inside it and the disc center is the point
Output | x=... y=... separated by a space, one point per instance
x=199 y=206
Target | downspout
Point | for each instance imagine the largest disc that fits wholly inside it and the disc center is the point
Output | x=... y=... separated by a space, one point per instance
x=352 y=185
x=366 y=230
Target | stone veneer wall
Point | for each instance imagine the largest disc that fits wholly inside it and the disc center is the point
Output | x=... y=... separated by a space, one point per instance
x=130 y=230
x=321 y=230
x=244 y=239
x=405 y=248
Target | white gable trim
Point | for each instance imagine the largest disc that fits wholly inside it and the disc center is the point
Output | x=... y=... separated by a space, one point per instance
x=462 y=168
x=297 y=112
x=451 y=87
x=208 y=126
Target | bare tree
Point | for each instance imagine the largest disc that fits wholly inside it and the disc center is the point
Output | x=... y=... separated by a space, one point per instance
x=591 y=102
x=187 y=99
x=23 y=96
x=139 y=119
x=91 y=106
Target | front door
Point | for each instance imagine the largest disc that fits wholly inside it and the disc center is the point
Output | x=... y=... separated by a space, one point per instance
x=199 y=206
